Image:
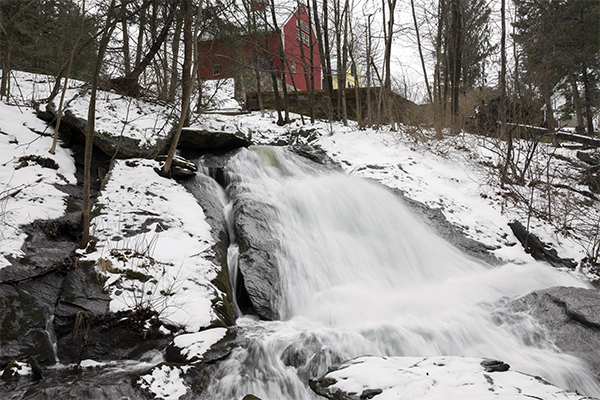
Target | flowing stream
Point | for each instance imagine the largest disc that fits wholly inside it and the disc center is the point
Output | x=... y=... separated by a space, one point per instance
x=360 y=275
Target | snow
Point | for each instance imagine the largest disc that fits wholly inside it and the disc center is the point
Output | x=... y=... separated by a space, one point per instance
x=91 y=364
x=194 y=345
x=31 y=192
x=153 y=226
x=21 y=368
x=439 y=378
x=118 y=115
x=165 y=382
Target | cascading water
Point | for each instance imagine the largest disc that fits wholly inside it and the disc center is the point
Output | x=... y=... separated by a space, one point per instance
x=361 y=276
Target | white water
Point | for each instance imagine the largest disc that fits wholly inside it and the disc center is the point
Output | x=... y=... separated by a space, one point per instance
x=361 y=275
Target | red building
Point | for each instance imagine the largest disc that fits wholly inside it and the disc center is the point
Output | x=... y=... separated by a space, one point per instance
x=227 y=58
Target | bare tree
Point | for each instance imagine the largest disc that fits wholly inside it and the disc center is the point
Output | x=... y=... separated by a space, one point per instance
x=414 y=15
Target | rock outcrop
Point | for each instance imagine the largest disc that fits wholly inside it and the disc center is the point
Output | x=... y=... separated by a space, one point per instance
x=571 y=317
x=119 y=146
x=257 y=261
x=414 y=378
x=210 y=140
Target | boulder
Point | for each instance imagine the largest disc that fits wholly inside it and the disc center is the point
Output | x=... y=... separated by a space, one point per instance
x=571 y=317
x=23 y=331
x=81 y=293
x=111 y=144
x=210 y=140
x=415 y=378
x=192 y=347
x=257 y=260
x=316 y=154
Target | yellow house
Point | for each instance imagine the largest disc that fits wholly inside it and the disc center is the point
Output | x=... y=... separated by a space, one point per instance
x=353 y=77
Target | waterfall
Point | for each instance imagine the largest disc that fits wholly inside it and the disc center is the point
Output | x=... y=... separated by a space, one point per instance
x=360 y=275
x=52 y=335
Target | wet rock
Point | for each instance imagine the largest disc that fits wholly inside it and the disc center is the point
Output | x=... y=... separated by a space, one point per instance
x=81 y=293
x=23 y=323
x=436 y=219
x=210 y=141
x=319 y=363
x=257 y=261
x=77 y=383
x=571 y=317
x=113 y=336
x=180 y=167
x=494 y=365
x=539 y=250
x=294 y=355
x=588 y=158
x=47 y=246
x=209 y=194
x=314 y=153
x=15 y=369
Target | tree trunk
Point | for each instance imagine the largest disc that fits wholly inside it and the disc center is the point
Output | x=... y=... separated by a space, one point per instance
x=502 y=110
x=126 y=57
x=388 y=46
x=576 y=100
x=369 y=121
x=345 y=64
x=311 y=87
x=456 y=34
x=588 y=100
x=175 y=58
x=139 y=50
x=326 y=54
x=282 y=63
x=414 y=14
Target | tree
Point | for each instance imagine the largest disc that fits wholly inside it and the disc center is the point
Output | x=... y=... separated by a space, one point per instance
x=10 y=11
x=420 y=48
x=579 y=43
x=69 y=63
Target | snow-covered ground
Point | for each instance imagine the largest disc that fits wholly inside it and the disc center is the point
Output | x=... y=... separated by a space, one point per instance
x=153 y=228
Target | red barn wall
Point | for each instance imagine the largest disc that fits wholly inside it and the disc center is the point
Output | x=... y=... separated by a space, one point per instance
x=222 y=57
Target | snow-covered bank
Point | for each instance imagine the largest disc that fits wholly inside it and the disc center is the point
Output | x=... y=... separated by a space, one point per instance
x=28 y=191
x=153 y=245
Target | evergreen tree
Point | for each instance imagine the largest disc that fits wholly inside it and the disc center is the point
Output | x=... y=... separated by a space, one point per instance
x=44 y=35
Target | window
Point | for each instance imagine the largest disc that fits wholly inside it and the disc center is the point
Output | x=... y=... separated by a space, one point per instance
x=302 y=36
x=217 y=69
x=303 y=25
x=293 y=66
